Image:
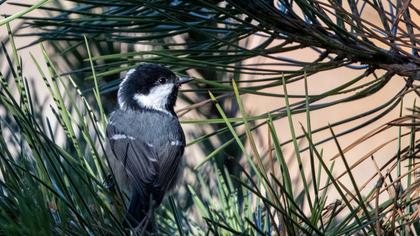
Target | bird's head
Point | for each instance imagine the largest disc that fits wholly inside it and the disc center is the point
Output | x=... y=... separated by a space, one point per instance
x=150 y=86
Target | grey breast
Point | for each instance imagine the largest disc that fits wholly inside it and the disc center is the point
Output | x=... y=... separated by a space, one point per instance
x=154 y=128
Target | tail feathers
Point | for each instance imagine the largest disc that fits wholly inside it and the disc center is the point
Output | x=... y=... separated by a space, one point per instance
x=141 y=209
x=140 y=212
x=138 y=209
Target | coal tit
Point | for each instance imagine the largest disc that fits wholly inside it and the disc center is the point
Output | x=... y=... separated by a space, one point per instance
x=145 y=140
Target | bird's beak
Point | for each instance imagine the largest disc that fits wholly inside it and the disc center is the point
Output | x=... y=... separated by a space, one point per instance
x=182 y=80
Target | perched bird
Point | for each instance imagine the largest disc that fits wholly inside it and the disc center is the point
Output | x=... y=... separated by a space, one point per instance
x=145 y=139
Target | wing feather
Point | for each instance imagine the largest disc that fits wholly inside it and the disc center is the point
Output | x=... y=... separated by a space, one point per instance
x=140 y=161
x=151 y=170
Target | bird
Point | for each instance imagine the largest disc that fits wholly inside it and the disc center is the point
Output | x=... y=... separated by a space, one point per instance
x=145 y=141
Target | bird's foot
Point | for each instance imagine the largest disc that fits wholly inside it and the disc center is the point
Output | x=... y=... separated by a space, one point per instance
x=109 y=182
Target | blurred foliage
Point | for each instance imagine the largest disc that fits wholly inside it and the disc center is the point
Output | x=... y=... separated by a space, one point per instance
x=234 y=48
x=246 y=40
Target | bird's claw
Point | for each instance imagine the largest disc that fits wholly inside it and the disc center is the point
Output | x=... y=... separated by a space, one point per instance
x=109 y=182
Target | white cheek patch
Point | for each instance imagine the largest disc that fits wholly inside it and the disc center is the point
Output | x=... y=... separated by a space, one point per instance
x=156 y=99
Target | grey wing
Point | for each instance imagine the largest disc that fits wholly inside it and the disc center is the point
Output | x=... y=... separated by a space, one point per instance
x=169 y=167
x=151 y=172
x=138 y=159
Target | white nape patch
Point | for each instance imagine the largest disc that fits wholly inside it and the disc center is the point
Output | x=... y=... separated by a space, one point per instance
x=131 y=71
x=176 y=143
x=156 y=99
x=121 y=136
x=150 y=145
x=120 y=96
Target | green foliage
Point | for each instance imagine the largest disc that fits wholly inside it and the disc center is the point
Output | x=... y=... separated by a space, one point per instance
x=222 y=40
x=57 y=185
x=48 y=187
x=59 y=189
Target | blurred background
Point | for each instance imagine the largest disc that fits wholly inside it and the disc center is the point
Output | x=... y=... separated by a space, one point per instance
x=227 y=41
x=256 y=105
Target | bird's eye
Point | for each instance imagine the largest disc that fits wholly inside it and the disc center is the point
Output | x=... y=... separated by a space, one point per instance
x=162 y=80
